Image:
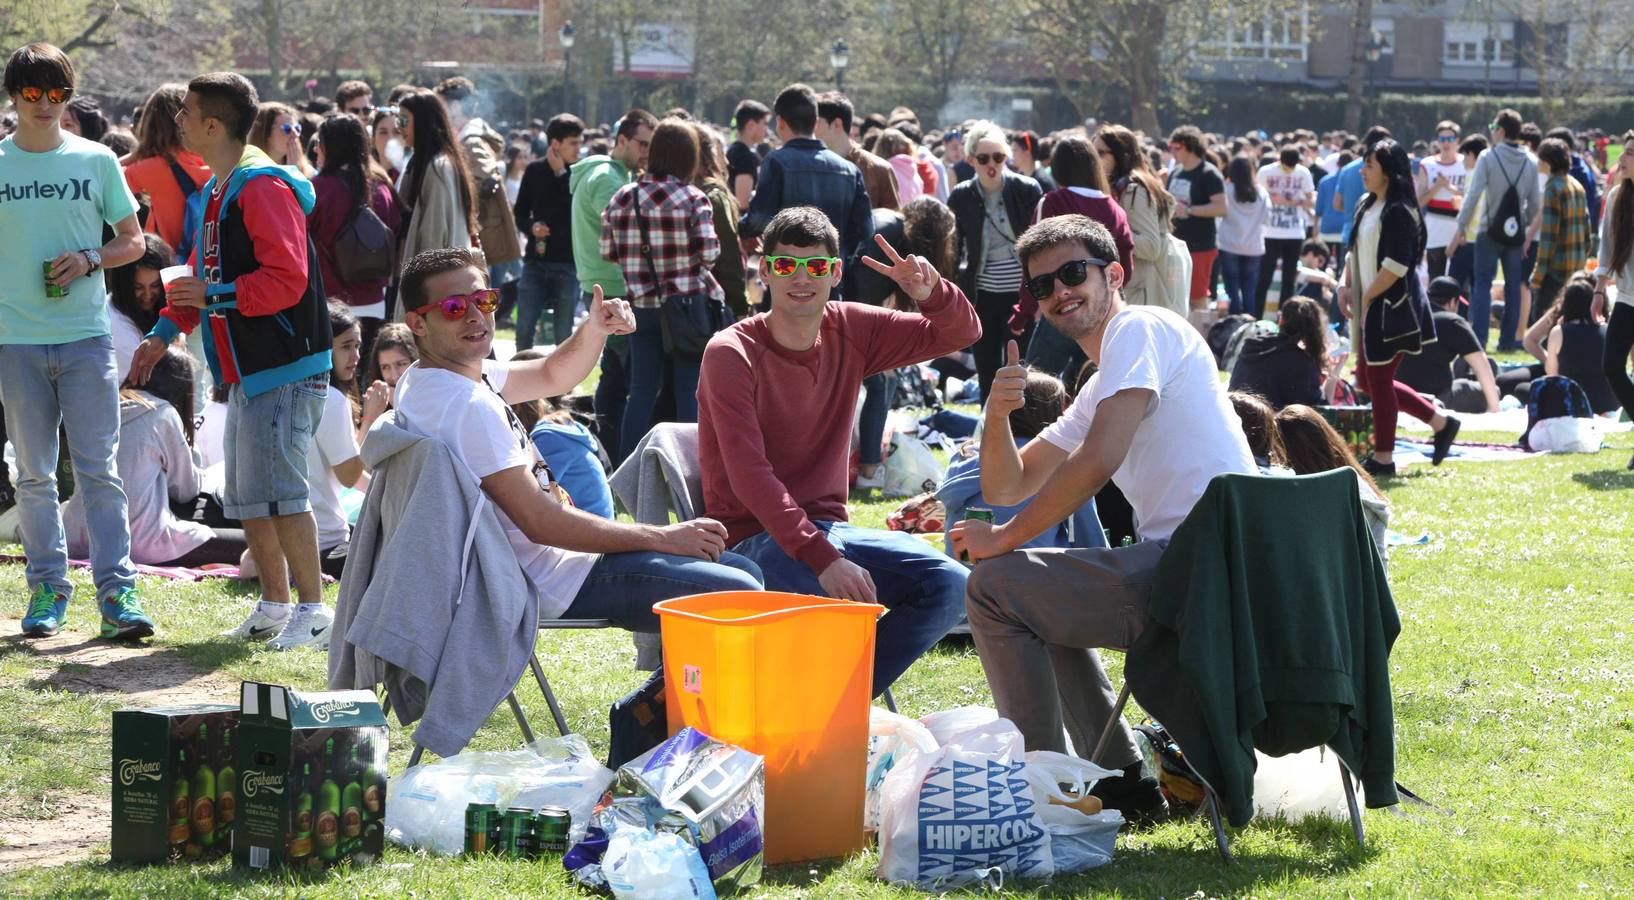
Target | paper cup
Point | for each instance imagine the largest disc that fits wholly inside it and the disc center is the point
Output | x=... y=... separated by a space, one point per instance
x=171 y=273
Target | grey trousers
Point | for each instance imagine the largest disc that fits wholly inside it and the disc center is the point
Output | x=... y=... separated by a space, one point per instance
x=1037 y=615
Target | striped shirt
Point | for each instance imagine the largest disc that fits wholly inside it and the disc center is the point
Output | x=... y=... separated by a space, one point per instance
x=1001 y=268
x=680 y=231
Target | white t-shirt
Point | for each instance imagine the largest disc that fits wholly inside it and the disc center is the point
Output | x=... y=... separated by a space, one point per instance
x=210 y=434
x=1439 y=228
x=334 y=443
x=1190 y=433
x=480 y=429
x=1287 y=222
x=125 y=338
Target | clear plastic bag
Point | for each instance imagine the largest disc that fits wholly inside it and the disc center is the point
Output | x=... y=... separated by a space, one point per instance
x=1078 y=840
x=655 y=865
x=892 y=740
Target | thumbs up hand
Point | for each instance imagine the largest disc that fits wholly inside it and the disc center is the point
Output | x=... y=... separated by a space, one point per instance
x=1008 y=393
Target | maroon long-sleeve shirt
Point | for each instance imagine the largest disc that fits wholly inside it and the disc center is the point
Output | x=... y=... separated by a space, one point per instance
x=774 y=424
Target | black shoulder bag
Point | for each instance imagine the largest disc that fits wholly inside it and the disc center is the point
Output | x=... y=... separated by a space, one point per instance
x=688 y=320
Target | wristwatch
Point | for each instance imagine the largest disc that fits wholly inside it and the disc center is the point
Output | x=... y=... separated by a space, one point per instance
x=92 y=258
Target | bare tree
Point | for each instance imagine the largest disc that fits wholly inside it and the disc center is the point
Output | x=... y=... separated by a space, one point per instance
x=1361 y=28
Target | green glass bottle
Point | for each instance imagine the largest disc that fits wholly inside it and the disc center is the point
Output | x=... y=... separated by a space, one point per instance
x=179 y=807
x=351 y=803
x=204 y=792
x=300 y=842
x=326 y=830
x=226 y=787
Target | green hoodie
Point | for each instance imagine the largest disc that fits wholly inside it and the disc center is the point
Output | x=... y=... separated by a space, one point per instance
x=593 y=181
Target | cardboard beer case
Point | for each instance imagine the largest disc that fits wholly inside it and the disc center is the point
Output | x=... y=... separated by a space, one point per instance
x=312 y=778
x=174 y=784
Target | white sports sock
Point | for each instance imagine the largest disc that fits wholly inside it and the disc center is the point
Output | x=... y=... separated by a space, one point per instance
x=274 y=610
x=309 y=608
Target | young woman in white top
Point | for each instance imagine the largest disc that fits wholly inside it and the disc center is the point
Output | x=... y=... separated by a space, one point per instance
x=1242 y=235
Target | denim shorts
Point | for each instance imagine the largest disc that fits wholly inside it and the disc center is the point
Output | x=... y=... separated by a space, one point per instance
x=267 y=440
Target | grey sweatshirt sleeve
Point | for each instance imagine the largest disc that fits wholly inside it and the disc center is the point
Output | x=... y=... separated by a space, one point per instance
x=1473 y=191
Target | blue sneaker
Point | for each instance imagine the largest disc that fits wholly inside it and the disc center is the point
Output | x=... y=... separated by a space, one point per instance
x=122 y=616
x=47 y=610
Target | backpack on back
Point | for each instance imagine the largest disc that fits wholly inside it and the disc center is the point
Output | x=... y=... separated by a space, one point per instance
x=365 y=248
x=1505 y=228
x=1221 y=333
x=1554 y=397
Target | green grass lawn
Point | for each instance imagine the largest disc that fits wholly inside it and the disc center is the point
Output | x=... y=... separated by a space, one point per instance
x=1513 y=677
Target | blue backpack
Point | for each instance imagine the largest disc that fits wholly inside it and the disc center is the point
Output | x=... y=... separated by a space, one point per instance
x=1552 y=397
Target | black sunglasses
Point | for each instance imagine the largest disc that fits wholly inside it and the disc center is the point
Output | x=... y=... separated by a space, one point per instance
x=983 y=159
x=1071 y=274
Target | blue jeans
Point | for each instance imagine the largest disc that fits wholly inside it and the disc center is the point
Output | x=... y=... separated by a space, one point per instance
x=1241 y=276
x=611 y=392
x=267 y=441
x=1488 y=256
x=923 y=589
x=545 y=286
x=623 y=587
x=73 y=385
x=879 y=390
x=1054 y=353
x=647 y=364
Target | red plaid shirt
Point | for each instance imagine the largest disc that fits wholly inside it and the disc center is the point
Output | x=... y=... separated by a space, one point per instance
x=681 y=230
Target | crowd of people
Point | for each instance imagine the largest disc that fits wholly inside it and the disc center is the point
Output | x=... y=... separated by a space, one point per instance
x=240 y=297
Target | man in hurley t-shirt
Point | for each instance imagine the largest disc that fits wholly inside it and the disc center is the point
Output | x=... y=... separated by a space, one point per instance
x=1156 y=415
x=775 y=405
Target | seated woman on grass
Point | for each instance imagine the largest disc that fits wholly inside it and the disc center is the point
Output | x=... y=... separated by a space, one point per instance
x=1314 y=447
x=1291 y=366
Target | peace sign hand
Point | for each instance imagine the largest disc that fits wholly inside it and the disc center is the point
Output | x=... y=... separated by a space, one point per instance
x=915 y=276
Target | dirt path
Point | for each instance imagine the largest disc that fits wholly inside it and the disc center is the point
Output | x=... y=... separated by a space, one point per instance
x=141 y=676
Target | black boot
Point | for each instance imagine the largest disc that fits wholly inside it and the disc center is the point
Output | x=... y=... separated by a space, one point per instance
x=1140 y=799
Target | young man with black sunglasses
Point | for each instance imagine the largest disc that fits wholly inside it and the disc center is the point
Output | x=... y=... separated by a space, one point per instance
x=776 y=400
x=257 y=291
x=1156 y=415
x=57 y=370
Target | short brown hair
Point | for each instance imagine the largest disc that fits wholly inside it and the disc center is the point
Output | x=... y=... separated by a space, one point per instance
x=1080 y=230
x=1190 y=137
x=351 y=90
x=38 y=65
x=1508 y=122
x=1555 y=152
x=674 y=150
x=632 y=122
x=800 y=226
x=229 y=98
x=1448 y=125
x=427 y=263
x=455 y=87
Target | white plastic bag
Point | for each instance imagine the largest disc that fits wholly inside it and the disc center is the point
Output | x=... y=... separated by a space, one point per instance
x=425 y=806
x=1565 y=434
x=653 y=865
x=1300 y=786
x=948 y=724
x=1078 y=840
x=892 y=740
x=959 y=814
x=910 y=467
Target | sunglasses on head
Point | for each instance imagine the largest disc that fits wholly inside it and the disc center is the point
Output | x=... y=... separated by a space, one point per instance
x=289 y=128
x=58 y=95
x=455 y=306
x=816 y=266
x=983 y=159
x=1071 y=274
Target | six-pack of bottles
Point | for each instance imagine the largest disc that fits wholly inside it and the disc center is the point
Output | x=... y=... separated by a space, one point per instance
x=283 y=779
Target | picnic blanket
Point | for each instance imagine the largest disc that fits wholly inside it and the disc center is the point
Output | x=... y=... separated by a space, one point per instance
x=1416 y=451
x=175 y=573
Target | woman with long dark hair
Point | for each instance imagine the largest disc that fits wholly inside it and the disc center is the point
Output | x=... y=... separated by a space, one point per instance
x=1242 y=235
x=1147 y=206
x=1575 y=345
x=135 y=296
x=436 y=184
x=350 y=179
x=387 y=139
x=1291 y=365
x=1617 y=264
x=1389 y=312
x=162 y=169
x=158 y=465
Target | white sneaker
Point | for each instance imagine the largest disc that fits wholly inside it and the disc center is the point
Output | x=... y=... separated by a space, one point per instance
x=875 y=481
x=258 y=627
x=309 y=629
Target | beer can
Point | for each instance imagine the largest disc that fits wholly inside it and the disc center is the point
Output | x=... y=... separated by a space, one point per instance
x=979 y=514
x=51 y=290
x=481 y=828
x=554 y=823
x=519 y=833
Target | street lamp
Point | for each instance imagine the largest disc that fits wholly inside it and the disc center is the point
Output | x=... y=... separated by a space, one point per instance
x=839 y=57
x=1377 y=44
x=566 y=38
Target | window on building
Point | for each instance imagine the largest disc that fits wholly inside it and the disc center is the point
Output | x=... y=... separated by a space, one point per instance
x=1479 y=43
x=1273 y=36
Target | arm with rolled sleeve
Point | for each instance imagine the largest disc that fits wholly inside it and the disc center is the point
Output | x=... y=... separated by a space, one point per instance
x=726 y=402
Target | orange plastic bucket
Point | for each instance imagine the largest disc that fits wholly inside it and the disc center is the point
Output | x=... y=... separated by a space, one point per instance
x=789 y=677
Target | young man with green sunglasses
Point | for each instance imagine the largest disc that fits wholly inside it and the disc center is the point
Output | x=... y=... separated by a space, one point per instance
x=776 y=400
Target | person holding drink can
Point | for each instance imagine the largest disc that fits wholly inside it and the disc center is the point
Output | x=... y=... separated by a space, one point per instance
x=57 y=367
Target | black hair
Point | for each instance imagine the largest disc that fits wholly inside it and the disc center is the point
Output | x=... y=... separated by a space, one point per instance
x=1289 y=155
x=749 y=111
x=633 y=122
x=172 y=381
x=800 y=226
x=834 y=106
x=455 y=87
x=433 y=137
x=88 y=113
x=1509 y=124
x=1398 y=168
x=1475 y=143
x=1577 y=301
x=796 y=105
x=39 y=65
x=564 y=126
x=1074 y=163
x=1240 y=172
x=342 y=320
x=229 y=98
x=1316 y=247
x=346 y=155
x=1190 y=137
x=426 y=263
x=1302 y=320
x=156 y=255
x=1564 y=134
x=1374 y=135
